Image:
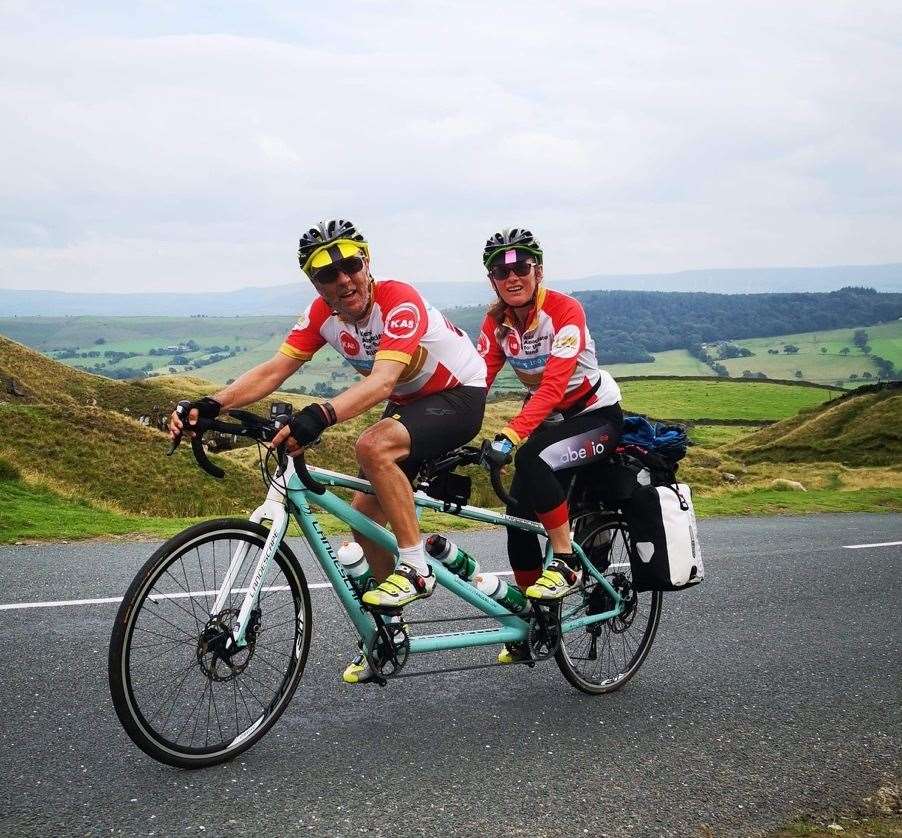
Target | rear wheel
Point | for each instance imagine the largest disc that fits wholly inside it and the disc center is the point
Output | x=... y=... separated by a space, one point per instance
x=603 y=656
x=184 y=692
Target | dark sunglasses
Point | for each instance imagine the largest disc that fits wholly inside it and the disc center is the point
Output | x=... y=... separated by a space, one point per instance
x=349 y=266
x=521 y=269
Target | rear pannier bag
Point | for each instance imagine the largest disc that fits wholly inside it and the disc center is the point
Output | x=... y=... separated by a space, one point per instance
x=666 y=555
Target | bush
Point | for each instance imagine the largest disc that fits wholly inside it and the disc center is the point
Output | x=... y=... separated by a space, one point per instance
x=8 y=471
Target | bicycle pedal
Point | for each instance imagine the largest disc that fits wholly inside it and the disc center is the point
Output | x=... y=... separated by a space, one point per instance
x=386 y=610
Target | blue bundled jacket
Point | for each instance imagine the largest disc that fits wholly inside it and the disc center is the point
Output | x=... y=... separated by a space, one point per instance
x=670 y=441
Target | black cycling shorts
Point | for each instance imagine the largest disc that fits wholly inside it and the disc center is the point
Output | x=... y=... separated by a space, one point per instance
x=438 y=423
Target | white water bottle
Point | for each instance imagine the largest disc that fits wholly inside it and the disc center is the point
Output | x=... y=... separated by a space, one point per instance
x=350 y=554
x=494 y=586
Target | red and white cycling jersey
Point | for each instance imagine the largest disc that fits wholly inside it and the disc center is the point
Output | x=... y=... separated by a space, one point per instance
x=554 y=357
x=401 y=326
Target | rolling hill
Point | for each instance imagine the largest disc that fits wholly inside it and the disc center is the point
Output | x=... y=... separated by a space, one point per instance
x=860 y=428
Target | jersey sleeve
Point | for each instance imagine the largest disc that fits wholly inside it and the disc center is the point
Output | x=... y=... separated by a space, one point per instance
x=569 y=340
x=305 y=338
x=405 y=321
x=490 y=350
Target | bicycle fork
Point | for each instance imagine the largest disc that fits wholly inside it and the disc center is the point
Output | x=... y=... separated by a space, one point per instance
x=272 y=509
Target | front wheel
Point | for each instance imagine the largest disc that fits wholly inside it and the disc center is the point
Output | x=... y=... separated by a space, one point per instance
x=603 y=656
x=184 y=692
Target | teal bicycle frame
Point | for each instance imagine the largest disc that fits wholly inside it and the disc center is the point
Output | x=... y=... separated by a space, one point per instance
x=297 y=499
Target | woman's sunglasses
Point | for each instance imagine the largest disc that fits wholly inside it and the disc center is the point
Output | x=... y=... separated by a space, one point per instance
x=349 y=266
x=502 y=272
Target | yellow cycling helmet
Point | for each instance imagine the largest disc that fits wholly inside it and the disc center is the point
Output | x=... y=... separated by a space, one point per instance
x=328 y=242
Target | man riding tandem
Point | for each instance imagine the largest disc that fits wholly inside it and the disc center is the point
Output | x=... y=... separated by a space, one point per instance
x=410 y=355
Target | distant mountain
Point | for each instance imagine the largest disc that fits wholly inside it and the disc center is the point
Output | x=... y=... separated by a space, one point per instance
x=288 y=299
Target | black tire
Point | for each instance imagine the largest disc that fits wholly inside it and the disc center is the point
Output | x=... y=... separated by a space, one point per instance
x=167 y=607
x=624 y=642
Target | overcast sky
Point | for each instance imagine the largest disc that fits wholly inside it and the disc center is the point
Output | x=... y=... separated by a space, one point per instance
x=169 y=145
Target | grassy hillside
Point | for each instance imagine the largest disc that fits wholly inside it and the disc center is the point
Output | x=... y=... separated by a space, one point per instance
x=74 y=461
x=861 y=428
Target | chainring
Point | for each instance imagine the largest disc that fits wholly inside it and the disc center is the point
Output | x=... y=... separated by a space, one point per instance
x=388 y=649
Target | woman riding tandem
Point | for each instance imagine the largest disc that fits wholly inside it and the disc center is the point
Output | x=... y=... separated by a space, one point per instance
x=571 y=415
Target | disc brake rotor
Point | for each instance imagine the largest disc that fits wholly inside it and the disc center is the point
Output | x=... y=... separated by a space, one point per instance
x=218 y=656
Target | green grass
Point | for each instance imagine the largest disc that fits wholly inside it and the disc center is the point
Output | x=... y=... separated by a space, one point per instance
x=34 y=513
x=714 y=436
x=719 y=399
x=859 y=430
x=671 y=362
x=775 y=502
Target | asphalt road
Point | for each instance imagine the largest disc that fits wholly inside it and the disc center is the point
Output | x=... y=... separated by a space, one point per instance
x=771 y=690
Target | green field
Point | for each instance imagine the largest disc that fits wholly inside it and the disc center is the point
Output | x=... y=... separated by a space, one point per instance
x=254 y=339
x=828 y=367
x=672 y=362
x=719 y=398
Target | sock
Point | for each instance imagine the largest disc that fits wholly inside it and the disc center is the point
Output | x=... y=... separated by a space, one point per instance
x=568 y=559
x=525 y=578
x=413 y=557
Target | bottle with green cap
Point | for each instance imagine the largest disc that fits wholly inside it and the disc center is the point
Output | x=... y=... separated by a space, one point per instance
x=510 y=596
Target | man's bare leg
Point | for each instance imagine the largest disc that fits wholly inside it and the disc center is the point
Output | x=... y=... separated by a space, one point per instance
x=380 y=560
x=378 y=451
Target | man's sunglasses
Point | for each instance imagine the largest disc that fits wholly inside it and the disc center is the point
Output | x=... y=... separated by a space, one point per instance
x=349 y=266
x=502 y=272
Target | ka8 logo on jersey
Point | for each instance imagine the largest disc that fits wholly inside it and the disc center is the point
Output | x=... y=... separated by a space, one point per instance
x=349 y=344
x=513 y=344
x=402 y=321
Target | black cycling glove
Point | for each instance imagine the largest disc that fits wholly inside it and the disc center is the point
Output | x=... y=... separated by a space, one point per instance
x=309 y=424
x=206 y=407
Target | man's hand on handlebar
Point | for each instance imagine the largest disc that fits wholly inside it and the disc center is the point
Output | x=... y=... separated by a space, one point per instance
x=205 y=408
x=305 y=427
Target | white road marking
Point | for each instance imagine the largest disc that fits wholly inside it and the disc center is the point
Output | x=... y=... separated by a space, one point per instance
x=110 y=600
x=881 y=544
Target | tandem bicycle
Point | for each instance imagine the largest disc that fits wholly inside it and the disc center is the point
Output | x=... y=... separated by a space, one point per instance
x=212 y=636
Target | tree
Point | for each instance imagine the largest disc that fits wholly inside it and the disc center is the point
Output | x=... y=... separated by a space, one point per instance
x=790 y=348
x=860 y=338
x=845 y=350
x=853 y=376
x=100 y=341
x=823 y=350
x=866 y=376
x=799 y=374
x=748 y=374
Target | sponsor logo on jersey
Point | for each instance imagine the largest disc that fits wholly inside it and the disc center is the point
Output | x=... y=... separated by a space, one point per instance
x=512 y=342
x=483 y=344
x=349 y=344
x=402 y=321
x=566 y=342
x=303 y=320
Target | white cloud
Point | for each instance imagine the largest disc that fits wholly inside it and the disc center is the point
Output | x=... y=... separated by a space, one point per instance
x=174 y=147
